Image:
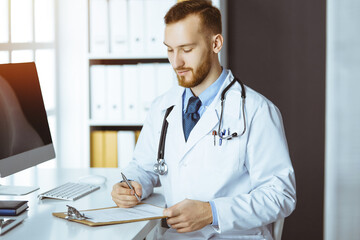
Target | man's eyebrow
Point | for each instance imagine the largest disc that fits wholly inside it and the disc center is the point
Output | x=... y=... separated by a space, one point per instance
x=182 y=45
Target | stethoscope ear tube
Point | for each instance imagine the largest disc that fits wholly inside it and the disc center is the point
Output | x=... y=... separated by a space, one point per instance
x=243 y=96
x=161 y=167
x=227 y=88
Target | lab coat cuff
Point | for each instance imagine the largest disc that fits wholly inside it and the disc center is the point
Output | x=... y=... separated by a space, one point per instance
x=214 y=214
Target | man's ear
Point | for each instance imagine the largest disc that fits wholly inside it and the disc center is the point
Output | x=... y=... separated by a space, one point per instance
x=217 y=43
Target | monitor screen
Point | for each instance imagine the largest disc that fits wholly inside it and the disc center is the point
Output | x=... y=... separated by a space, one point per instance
x=25 y=138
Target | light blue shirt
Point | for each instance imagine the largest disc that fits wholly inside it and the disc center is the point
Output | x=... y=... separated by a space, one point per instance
x=206 y=98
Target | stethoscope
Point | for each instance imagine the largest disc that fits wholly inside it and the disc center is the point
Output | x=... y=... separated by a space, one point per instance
x=160 y=167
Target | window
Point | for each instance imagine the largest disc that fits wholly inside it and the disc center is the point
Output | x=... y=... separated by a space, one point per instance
x=27 y=33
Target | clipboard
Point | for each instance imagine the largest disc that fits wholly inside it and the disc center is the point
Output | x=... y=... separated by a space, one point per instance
x=63 y=215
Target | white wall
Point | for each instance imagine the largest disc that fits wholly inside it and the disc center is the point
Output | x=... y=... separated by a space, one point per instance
x=342 y=172
x=72 y=83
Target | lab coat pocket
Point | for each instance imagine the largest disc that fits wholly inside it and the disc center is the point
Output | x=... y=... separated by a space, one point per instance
x=220 y=158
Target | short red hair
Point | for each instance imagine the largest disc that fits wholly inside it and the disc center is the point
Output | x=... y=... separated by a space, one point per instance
x=210 y=16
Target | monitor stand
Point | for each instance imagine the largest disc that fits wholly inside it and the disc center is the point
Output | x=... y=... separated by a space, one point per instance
x=17 y=190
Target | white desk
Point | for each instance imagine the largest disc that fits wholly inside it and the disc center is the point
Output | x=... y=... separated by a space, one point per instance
x=40 y=224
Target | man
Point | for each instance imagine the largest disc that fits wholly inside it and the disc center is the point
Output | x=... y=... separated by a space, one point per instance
x=214 y=188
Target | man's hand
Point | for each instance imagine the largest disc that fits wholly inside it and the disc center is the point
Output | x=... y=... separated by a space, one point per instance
x=189 y=215
x=123 y=196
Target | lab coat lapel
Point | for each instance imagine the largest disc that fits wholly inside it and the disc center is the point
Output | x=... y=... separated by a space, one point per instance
x=206 y=123
x=204 y=126
x=175 y=127
x=208 y=120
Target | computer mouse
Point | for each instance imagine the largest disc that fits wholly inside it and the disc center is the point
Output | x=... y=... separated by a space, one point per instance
x=93 y=179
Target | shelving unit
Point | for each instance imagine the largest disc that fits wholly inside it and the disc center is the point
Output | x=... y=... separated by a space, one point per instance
x=105 y=57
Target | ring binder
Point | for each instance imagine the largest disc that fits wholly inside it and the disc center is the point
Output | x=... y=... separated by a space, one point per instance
x=74 y=214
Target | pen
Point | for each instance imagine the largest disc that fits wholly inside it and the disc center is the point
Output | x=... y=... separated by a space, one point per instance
x=214 y=134
x=222 y=134
x=129 y=185
x=220 y=139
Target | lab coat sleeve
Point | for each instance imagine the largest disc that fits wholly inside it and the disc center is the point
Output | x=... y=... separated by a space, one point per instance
x=271 y=174
x=140 y=168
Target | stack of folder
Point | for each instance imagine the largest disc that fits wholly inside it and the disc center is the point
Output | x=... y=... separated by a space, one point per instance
x=111 y=149
x=124 y=93
x=12 y=208
x=103 y=149
x=128 y=26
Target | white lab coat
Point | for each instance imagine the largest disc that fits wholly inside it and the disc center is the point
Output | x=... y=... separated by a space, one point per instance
x=250 y=178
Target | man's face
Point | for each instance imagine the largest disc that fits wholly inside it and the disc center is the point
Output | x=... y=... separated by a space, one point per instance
x=188 y=51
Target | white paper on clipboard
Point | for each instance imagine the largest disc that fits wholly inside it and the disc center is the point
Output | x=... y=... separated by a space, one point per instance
x=141 y=211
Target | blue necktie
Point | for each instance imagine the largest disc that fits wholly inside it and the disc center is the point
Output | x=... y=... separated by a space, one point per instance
x=191 y=116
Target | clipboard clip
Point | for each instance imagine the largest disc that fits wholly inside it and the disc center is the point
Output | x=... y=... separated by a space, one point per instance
x=74 y=214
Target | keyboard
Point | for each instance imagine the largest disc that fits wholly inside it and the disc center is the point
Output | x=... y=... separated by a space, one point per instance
x=69 y=191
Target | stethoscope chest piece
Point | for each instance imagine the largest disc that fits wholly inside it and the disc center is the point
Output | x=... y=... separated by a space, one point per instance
x=161 y=167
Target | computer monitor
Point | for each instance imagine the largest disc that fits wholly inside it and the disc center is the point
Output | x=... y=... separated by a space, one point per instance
x=25 y=138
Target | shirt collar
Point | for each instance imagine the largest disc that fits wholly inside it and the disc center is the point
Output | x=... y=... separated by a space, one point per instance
x=208 y=95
